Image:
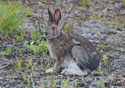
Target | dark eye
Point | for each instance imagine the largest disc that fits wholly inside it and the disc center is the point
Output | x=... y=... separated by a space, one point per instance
x=53 y=27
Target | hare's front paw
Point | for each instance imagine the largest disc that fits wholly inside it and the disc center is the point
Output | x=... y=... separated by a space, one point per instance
x=50 y=70
x=73 y=72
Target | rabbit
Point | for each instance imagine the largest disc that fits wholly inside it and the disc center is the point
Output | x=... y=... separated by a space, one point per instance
x=72 y=51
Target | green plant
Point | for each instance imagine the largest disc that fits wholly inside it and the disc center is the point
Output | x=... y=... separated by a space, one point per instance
x=20 y=37
x=100 y=84
x=13 y=76
x=64 y=84
x=47 y=64
x=38 y=47
x=123 y=3
x=67 y=27
x=28 y=64
x=105 y=57
x=101 y=72
x=3 y=53
x=12 y=14
x=6 y=52
x=95 y=17
x=84 y=3
x=36 y=35
x=75 y=83
x=42 y=85
x=38 y=32
x=24 y=71
x=19 y=62
x=52 y=81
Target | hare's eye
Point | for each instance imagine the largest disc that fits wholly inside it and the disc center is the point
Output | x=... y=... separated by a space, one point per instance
x=53 y=28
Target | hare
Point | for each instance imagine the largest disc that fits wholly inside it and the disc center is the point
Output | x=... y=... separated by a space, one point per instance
x=72 y=52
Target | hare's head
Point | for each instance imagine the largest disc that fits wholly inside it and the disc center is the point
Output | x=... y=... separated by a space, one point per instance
x=52 y=29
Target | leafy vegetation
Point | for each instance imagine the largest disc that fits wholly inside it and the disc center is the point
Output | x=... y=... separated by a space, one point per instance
x=123 y=3
x=67 y=27
x=105 y=57
x=5 y=52
x=100 y=84
x=38 y=33
x=84 y=3
x=38 y=47
x=12 y=14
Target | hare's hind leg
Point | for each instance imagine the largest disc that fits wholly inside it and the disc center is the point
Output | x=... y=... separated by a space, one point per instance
x=72 y=68
x=71 y=71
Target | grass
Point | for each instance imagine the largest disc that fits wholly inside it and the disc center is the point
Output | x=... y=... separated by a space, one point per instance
x=67 y=27
x=7 y=51
x=19 y=62
x=100 y=71
x=105 y=57
x=75 y=84
x=12 y=14
x=24 y=71
x=123 y=3
x=64 y=84
x=84 y=3
x=36 y=35
x=100 y=84
x=42 y=85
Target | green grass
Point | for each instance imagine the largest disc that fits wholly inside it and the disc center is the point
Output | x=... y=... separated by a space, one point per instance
x=100 y=83
x=67 y=27
x=65 y=83
x=25 y=71
x=12 y=14
x=105 y=57
x=83 y=3
x=123 y=3
x=7 y=51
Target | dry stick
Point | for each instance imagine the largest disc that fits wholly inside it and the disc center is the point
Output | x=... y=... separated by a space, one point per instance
x=66 y=18
x=74 y=8
x=43 y=10
x=36 y=6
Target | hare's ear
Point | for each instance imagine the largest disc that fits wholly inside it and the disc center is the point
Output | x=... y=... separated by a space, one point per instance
x=50 y=15
x=57 y=16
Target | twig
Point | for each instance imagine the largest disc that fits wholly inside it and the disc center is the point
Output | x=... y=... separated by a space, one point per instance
x=43 y=10
x=74 y=8
x=73 y=14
